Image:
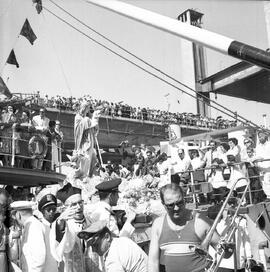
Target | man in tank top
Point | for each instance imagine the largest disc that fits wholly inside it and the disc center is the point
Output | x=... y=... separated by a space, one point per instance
x=175 y=235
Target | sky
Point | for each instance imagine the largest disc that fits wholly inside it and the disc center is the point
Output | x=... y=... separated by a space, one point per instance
x=65 y=62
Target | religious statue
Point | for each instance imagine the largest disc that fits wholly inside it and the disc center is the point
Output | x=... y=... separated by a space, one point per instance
x=85 y=133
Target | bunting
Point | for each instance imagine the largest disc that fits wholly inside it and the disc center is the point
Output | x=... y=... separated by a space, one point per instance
x=28 y=32
x=12 y=59
x=4 y=89
x=38 y=5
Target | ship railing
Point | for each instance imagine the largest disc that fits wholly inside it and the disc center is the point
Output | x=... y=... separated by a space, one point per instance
x=23 y=146
x=193 y=188
x=181 y=119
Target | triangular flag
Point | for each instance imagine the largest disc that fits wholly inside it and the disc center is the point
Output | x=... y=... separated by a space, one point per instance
x=28 y=32
x=38 y=5
x=12 y=59
x=4 y=89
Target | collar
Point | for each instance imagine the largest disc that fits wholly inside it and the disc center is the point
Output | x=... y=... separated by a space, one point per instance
x=46 y=222
x=82 y=221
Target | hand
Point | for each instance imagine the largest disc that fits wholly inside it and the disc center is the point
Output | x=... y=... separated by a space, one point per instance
x=248 y=263
x=15 y=234
x=228 y=249
x=67 y=214
x=130 y=215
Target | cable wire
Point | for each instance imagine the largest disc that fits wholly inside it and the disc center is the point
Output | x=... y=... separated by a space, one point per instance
x=149 y=64
x=148 y=72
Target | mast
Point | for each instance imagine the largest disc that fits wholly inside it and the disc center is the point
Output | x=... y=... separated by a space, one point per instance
x=203 y=37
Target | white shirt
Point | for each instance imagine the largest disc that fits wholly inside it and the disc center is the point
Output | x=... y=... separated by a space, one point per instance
x=50 y=263
x=33 y=246
x=41 y=123
x=181 y=165
x=103 y=211
x=263 y=150
x=125 y=256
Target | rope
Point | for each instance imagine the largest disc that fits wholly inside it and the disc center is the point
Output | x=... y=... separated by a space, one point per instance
x=145 y=62
x=154 y=75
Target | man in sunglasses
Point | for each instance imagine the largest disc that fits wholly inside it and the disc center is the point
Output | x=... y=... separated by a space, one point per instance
x=176 y=235
x=47 y=206
x=120 y=254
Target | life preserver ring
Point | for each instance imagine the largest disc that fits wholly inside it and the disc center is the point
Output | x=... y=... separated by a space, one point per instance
x=37 y=146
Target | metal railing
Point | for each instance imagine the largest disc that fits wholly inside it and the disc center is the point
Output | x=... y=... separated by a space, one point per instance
x=193 y=183
x=20 y=144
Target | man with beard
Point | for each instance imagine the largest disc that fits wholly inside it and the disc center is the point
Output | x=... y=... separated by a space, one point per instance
x=176 y=235
x=47 y=206
x=65 y=244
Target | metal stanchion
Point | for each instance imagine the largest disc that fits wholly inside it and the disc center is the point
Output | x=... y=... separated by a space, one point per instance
x=13 y=145
x=193 y=190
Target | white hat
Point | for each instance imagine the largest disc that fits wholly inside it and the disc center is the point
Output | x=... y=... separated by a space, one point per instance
x=22 y=205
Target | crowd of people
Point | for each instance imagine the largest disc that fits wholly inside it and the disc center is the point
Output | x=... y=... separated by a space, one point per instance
x=216 y=166
x=58 y=234
x=58 y=230
x=46 y=231
x=121 y=109
x=48 y=137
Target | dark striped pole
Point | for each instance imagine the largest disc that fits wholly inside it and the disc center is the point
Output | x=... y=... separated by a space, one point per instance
x=203 y=37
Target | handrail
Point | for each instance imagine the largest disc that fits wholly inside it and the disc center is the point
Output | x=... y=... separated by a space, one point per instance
x=15 y=141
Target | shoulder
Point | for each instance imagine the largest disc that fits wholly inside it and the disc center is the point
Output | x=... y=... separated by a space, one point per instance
x=201 y=224
x=157 y=225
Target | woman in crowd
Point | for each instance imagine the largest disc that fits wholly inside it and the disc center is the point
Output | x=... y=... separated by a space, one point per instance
x=8 y=120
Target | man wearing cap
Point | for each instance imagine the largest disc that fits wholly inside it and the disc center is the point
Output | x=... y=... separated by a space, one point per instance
x=47 y=206
x=65 y=244
x=120 y=254
x=109 y=195
x=41 y=122
x=33 y=258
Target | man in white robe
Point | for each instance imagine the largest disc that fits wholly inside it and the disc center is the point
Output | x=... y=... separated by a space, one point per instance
x=65 y=244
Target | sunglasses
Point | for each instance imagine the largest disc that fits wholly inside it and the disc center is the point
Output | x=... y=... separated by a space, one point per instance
x=50 y=209
x=171 y=206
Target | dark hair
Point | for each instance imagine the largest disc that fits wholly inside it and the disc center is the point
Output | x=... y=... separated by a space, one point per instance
x=52 y=123
x=170 y=187
x=225 y=146
x=234 y=140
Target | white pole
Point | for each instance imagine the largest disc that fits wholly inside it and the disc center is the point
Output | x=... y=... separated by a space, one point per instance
x=197 y=35
x=167 y=24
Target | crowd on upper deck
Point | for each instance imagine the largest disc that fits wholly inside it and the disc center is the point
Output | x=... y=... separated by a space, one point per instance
x=121 y=109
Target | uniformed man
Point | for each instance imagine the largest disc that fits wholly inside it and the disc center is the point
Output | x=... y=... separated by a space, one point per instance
x=65 y=244
x=33 y=258
x=47 y=206
x=120 y=254
x=109 y=195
